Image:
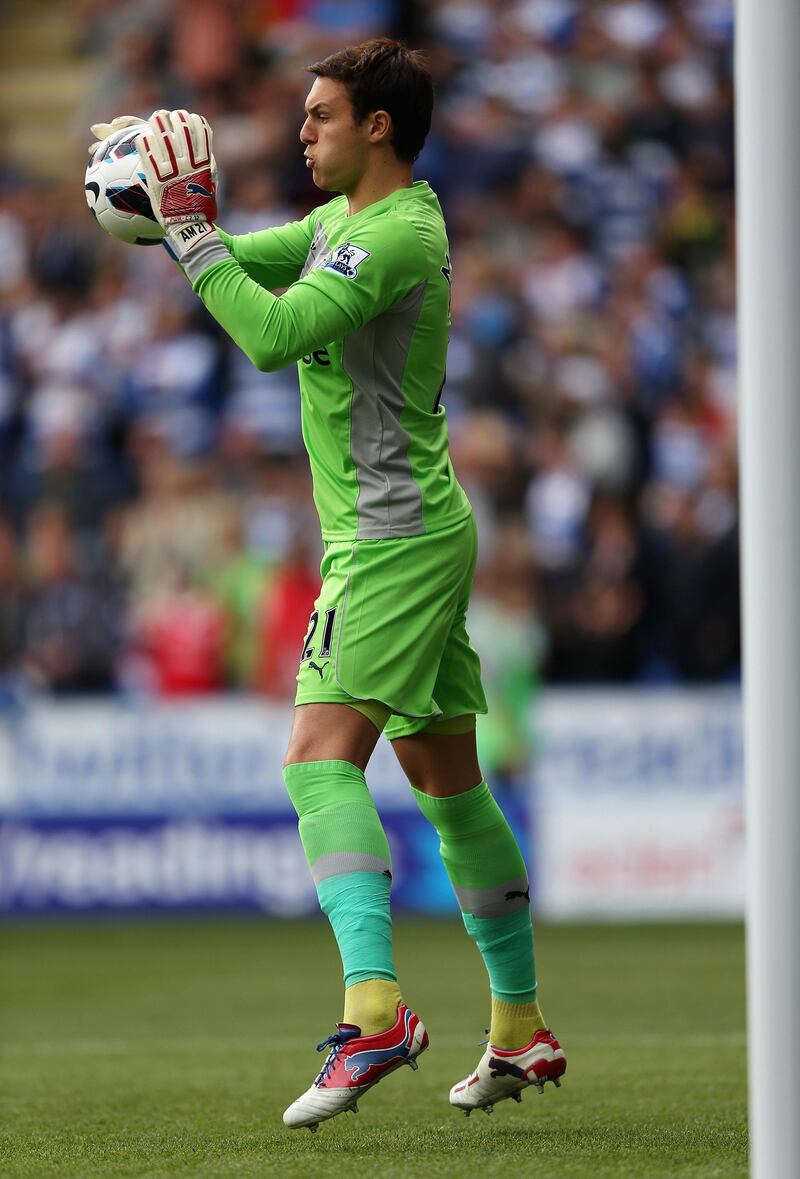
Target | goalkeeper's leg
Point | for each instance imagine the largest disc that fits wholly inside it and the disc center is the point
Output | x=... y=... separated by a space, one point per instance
x=488 y=874
x=348 y=854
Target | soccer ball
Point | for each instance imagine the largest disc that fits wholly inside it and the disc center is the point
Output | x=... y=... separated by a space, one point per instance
x=116 y=190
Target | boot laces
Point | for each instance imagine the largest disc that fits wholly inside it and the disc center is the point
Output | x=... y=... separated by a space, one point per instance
x=336 y=1042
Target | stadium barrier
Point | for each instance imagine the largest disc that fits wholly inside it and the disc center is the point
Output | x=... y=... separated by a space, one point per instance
x=632 y=807
x=639 y=805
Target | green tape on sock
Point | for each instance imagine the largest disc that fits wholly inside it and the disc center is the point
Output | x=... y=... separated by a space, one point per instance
x=340 y=828
x=488 y=872
x=357 y=906
x=506 y=946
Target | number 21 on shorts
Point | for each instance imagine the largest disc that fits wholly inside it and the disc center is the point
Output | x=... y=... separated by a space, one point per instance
x=327 y=635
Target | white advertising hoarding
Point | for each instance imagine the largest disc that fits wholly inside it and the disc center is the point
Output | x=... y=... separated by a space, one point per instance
x=639 y=804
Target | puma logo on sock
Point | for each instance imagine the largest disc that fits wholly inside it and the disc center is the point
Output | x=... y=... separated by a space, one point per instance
x=511 y=896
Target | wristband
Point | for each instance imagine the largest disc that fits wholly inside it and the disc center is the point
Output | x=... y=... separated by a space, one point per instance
x=196 y=245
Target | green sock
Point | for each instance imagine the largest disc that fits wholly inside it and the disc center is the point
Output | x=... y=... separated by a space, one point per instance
x=489 y=877
x=348 y=854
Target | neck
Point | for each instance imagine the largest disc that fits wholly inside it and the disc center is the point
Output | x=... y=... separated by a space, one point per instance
x=379 y=182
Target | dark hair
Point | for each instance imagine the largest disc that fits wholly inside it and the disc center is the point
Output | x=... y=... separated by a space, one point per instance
x=385 y=75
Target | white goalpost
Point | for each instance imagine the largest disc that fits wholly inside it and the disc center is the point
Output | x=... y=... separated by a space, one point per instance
x=768 y=186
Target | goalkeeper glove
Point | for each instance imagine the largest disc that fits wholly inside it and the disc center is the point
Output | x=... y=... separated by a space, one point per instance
x=181 y=176
x=103 y=130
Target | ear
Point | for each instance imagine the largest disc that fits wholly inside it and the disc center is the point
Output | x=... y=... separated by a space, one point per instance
x=380 y=127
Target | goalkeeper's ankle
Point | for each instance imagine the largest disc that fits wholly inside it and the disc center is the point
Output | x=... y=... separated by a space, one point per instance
x=372 y=1005
x=514 y=1024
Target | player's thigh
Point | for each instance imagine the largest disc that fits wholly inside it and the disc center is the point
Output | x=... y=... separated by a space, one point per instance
x=326 y=731
x=439 y=764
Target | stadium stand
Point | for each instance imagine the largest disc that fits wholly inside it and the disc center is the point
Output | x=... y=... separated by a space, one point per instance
x=582 y=153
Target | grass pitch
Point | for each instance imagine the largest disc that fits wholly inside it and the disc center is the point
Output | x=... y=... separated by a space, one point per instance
x=171 y=1048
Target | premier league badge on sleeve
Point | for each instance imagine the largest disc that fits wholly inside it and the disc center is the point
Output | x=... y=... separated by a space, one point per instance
x=347 y=259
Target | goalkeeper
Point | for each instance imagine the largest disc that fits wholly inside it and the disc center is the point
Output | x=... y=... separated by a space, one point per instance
x=366 y=317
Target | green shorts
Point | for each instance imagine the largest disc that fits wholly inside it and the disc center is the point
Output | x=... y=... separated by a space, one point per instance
x=388 y=628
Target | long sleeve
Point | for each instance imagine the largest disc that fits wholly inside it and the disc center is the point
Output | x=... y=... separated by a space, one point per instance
x=359 y=281
x=272 y=257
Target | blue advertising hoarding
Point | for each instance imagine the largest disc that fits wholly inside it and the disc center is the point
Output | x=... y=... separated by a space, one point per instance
x=109 y=807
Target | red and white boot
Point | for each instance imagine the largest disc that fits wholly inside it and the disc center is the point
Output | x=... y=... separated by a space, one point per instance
x=355 y=1063
x=505 y=1073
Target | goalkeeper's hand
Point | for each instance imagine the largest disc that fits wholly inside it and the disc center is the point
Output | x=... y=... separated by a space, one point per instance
x=181 y=176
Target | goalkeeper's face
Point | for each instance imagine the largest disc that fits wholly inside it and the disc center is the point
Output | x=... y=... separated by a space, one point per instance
x=337 y=147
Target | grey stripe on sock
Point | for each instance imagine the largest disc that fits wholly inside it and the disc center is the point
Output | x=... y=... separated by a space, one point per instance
x=497 y=901
x=340 y=863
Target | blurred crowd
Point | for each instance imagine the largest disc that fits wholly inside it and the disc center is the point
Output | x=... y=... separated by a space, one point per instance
x=157 y=533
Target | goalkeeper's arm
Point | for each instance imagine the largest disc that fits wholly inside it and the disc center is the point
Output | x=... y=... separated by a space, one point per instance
x=176 y=156
x=272 y=257
x=317 y=310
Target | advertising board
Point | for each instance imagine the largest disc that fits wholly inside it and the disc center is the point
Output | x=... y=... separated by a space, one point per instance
x=633 y=807
x=639 y=805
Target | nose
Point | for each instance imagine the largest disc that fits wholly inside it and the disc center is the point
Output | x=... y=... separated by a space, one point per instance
x=306 y=135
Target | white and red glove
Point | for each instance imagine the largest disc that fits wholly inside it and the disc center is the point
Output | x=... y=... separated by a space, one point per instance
x=101 y=131
x=181 y=176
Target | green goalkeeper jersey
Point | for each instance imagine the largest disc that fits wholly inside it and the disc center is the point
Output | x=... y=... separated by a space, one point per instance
x=366 y=316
